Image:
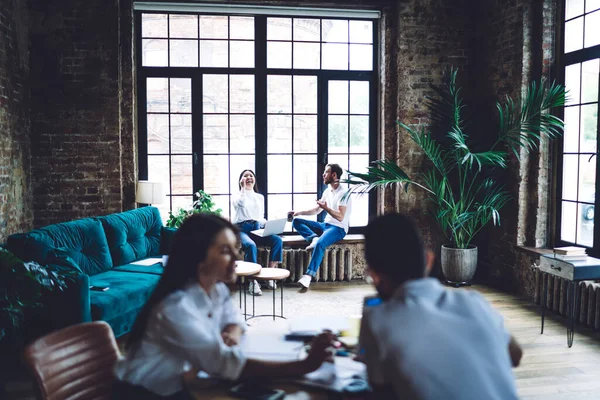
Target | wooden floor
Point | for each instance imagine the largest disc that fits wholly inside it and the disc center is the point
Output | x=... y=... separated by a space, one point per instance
x=549 y=369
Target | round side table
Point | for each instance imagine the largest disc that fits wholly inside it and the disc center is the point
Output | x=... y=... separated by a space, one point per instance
x=244 y=269
x=272 y=274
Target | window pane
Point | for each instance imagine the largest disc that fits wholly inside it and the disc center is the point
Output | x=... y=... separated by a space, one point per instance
x=306 y=55
x=305 y=134
x=154 y=25
x=223 y=202
x=279 y=94
x=158 y=171
x=279 y=55
x=359 y=97
x=574 y=35
x=214 y=96
x=591 y=5
x=587 y=178
x=335 y=30
x=572 y=83
x=181 y=174
x=306 y=29
x=361 y=57
x=335 y=56
x=242 y=54
x=359 y=134
x=241 y=27
x=181 y=133
x=305 y=95
x=213 y=53
x=589 y=127
x=359 y=210
x=213 y=27
x=279 y=170
x=338 y=97
x=157 y=95
x=214 y=134
x=238 y=164
x=158 y=133
x=242 y=133
x=569 y=189
x=216 y=174
x=571 y=132
x=183 y=53
x=279 y=205
x=305 y=173
x=279 y=29
x=305 y=202
x=279 y=131
x=183 y=26
x=361 y=32
x=589 y=80
x=340 y=159
x=592 y=29
x=155 y=53
x=358 y=163
x=568 y=221
x=241 y=93
x=338 y=134
x=181 y=95
x=573 y=8
x=585 y=226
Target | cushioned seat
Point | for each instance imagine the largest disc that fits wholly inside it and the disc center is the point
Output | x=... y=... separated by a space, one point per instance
x=156 y=269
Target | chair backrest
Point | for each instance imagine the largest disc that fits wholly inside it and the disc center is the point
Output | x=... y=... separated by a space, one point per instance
x=76 y=362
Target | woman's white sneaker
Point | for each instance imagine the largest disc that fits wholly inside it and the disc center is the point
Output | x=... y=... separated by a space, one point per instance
x=254 y=288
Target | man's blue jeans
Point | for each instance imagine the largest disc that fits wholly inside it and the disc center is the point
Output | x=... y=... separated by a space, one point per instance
x=249 y=245
x=329 y=234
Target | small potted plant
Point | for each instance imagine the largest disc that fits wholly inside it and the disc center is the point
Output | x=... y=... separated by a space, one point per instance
x=458 y=179
x=203 y=204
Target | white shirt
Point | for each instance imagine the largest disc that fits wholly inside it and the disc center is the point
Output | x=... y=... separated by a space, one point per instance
x=432 y=343
x=185 y=330
x=247 y=204
x=334 y=201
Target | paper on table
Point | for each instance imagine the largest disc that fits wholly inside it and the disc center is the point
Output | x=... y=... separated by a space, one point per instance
x=336 y=376
x=148 y=261
x=270 y=347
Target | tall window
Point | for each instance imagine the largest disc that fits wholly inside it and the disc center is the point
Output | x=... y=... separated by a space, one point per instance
x=579 y=161
x=281 y=95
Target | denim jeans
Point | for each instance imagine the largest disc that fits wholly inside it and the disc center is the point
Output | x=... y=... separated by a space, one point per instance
x=329 y=234
x=249 y=245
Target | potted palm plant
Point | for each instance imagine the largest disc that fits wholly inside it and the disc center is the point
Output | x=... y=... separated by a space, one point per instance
x=458 y=179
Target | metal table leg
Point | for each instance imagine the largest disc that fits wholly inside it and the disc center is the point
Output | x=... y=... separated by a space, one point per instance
x=543 y=302
x=572 y=309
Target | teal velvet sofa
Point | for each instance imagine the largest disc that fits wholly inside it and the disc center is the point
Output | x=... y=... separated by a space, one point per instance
x=100 y=251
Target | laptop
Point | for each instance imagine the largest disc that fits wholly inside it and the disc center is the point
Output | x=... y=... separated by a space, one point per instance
x=272 y=227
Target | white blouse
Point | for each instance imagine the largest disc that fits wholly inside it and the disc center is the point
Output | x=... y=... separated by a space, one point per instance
x=248 y=205
x=183 y=332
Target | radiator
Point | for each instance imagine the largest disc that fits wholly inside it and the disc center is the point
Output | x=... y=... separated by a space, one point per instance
x=587 y=308
x=336 y=264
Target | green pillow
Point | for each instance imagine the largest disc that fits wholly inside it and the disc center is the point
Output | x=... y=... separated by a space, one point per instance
x=60 y=256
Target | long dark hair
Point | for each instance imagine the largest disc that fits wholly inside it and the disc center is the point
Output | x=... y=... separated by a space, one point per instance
x=189 y=247
x=242 y=174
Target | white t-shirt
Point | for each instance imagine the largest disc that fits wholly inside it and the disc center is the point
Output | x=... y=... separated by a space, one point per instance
x=334 y=201
x=248 y=205
x=185 y=331
x=432 y=343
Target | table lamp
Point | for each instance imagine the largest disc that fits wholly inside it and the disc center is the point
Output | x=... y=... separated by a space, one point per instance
x=149 y=193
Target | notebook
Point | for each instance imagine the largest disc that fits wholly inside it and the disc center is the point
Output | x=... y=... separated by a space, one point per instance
x=272 y=227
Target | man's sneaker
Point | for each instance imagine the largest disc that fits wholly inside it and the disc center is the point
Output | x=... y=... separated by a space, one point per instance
x=313 y=243
x=305 y=281
x=254 y=288
x=272 y=285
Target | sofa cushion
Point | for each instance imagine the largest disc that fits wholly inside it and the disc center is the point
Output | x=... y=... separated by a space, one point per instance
x=80 y=243
x=133 y=235
x=156 y=269
x=127 y=291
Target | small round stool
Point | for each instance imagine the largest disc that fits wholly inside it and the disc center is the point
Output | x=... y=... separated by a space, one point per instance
x=243 y=269
x=272 y=274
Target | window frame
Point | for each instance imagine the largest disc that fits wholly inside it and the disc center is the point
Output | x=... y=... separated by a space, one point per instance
x=260 y=73
x=563 y=60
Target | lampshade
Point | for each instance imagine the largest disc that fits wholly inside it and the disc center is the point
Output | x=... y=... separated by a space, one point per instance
x=149 y=193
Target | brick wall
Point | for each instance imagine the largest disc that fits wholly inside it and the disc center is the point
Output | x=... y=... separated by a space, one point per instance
x=16 y=207
x=75 y=109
